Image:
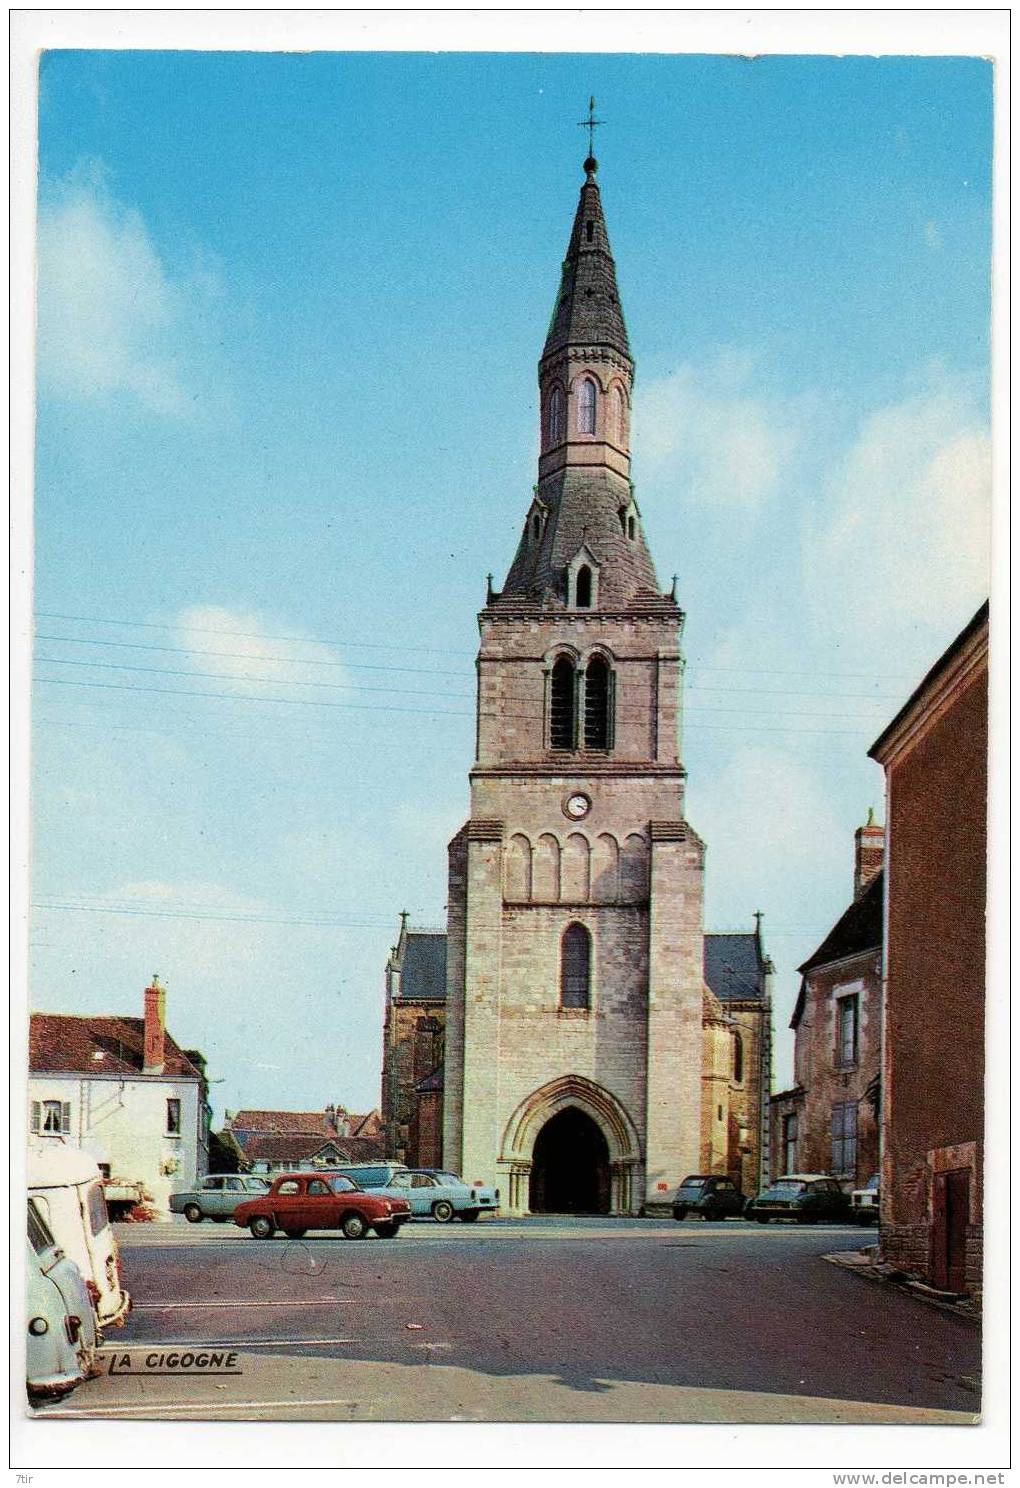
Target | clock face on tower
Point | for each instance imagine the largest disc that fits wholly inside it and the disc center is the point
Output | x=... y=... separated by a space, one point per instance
x=577 y=805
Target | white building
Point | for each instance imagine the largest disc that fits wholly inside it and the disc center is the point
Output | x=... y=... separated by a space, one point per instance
x=123 y=1091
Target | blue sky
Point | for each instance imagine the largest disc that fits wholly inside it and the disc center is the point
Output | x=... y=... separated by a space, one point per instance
x=290 y=309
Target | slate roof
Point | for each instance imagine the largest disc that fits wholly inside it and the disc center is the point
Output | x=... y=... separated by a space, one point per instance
x=587 y=309
x=859 y=928
x=301 y=1146
x=79 y=1044
x=733 y=965
x=423 y=970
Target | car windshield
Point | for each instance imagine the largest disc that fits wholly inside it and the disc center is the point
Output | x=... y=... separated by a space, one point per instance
x=693 y=1185
x=784 y=1190
x=339 y=1184
x=98 y=1217
x=38 y=1231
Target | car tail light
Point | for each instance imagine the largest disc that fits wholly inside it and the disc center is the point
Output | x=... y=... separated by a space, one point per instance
x=38 y=1326
x=72 y=1326
x=93 y=1292
x=474 y=1194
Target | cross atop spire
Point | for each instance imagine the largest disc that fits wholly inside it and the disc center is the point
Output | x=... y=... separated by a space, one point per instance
x=591 y=165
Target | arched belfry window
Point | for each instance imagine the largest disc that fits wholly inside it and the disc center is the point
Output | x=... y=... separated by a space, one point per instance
x=582 y=588
x=554 y=416
x=598 y=705
x=536 y=527
x=586 y=407
x=562 y=705
x=575 y=967
x=738 y=1058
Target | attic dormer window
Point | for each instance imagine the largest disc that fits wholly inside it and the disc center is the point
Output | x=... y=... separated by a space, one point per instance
x=586 y=407
x=589 y=231
x=631 y=528
x=582 y=591
x=536 y=527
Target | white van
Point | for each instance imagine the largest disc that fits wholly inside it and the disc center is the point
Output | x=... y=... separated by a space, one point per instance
x=67 y=1188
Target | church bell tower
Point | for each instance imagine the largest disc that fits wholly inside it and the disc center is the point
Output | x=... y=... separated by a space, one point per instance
x=575 y=939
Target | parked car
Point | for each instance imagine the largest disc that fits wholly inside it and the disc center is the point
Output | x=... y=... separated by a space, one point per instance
x=62 y=1337
x=68 y=1191
x=298 y=1202
x=432 y=1191
x=217 y=1196
x=708 y=1194
x=371 y=1175
x=804 y=1197
x=864 y=1202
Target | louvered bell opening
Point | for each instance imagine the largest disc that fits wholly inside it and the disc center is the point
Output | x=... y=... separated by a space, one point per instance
x=596 y=705
x=561 y=706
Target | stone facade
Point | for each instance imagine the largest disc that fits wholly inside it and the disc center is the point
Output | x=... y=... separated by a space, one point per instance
x=837 y=1024
x=935 y=757
x=413 y=1039
x=575 y=940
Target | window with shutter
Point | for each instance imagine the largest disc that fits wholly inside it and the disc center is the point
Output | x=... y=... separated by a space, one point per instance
x=65 y=1116
x=36 y=1116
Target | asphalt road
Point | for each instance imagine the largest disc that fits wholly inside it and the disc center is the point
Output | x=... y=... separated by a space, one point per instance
x=683 y=1321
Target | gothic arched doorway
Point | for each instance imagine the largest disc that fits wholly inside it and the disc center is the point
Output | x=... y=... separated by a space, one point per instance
x=570 y=1166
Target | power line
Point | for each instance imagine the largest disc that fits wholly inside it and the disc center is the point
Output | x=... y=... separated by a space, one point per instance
x=406 y=646
x=404 y=691
x=242 y=919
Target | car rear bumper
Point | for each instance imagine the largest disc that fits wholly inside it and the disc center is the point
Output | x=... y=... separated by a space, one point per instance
x=118 y=1317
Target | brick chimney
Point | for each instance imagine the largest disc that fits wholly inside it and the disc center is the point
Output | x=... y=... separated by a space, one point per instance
x=869 y=853
x=155 y=1029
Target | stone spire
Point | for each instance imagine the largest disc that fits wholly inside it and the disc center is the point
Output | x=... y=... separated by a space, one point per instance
x=587 y=310
x=582 y=546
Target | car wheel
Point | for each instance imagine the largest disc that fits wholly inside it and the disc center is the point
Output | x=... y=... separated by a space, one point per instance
x=708 y=1215
x=680 y=1213
x=469 y=1216
x=295 y=1234
x=353 y=1226
x=193 y=1214
x=762 y=1218
x=387 y=1231
x=442 y=1210
x=807 y=1218
x=262 y=1228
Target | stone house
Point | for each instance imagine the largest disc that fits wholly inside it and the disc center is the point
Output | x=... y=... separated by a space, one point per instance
x=828 y=1121
x=122 y=1090
x=576 y=1011
x=935 y=757
x=279 y=1141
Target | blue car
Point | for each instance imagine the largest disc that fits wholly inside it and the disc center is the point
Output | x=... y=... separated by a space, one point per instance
x=432 y=1191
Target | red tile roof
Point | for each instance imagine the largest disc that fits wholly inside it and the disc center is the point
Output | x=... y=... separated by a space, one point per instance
x=299 y=1147
x=75 y=1044
x=306 y=1122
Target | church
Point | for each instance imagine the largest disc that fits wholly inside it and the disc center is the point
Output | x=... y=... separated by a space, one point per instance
x=574 y=1038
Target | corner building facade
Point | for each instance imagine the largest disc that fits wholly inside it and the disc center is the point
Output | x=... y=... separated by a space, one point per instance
x=573 y=1067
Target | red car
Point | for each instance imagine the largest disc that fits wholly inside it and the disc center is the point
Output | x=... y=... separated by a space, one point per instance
x=298 y=1202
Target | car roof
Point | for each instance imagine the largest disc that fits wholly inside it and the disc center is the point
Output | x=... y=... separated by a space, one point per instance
x=800 y=1177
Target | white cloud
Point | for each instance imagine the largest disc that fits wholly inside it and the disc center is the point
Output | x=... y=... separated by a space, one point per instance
x=903 y=532
x=112 y=318
x=710 y=428
x=244 y=651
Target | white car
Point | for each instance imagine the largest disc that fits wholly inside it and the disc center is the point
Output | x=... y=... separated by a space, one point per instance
x=432 y=1191
x=68 y=1190
x=62 y=1338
